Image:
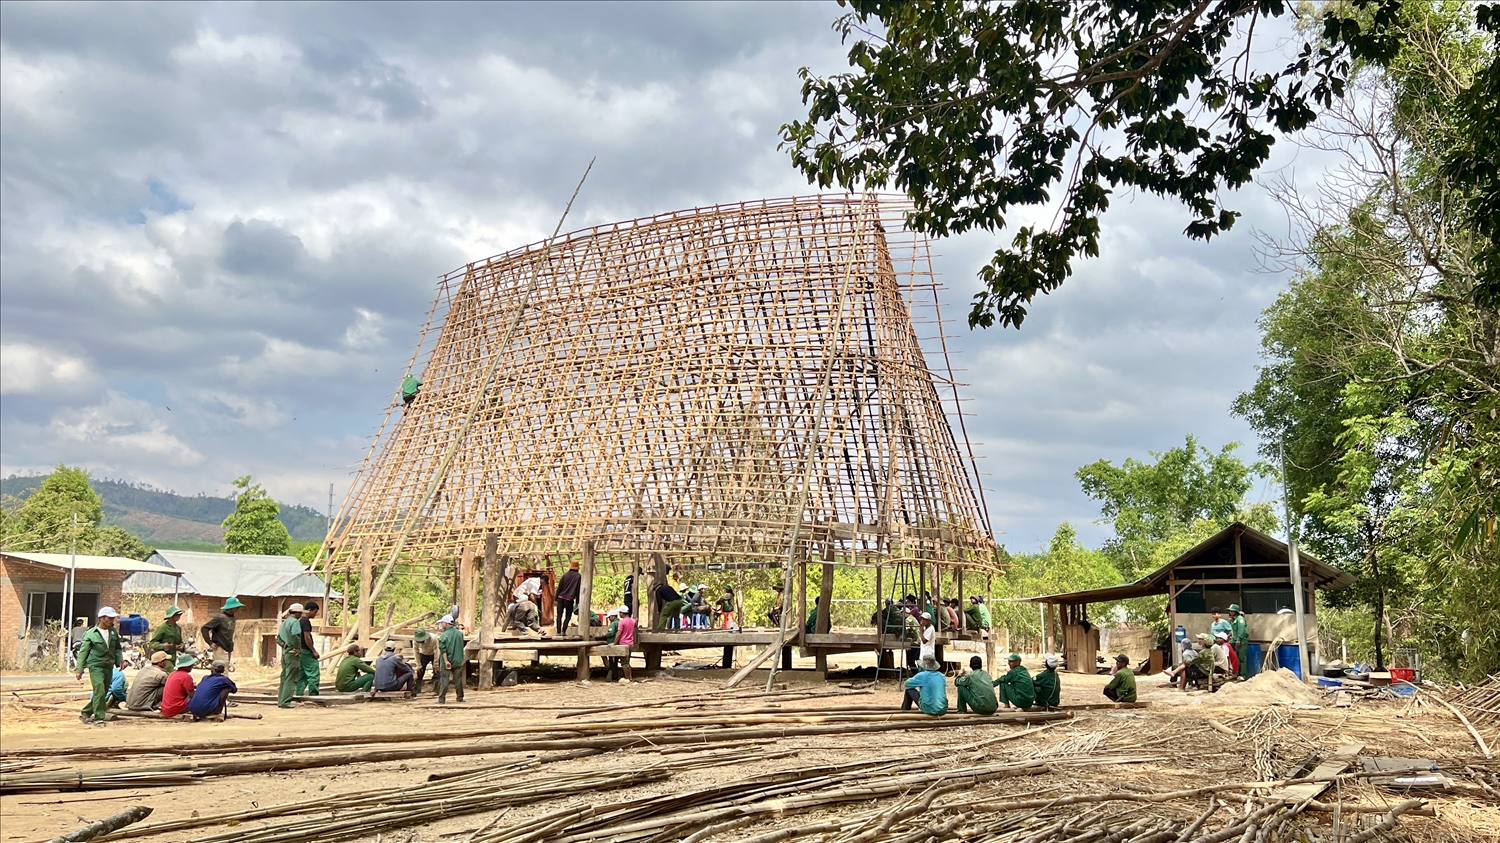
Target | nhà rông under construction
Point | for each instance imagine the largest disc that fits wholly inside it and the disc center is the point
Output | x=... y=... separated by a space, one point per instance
x=712 y=385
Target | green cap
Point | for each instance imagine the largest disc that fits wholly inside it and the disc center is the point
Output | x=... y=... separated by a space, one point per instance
x=173 y=612
x=1013 y=657
x=1234 y=607
x=185 y=660
x=233 y=603
x=419 y=636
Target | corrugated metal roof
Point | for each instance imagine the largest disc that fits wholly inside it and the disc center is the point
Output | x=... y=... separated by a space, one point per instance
x=228 y=575
x=93 y=563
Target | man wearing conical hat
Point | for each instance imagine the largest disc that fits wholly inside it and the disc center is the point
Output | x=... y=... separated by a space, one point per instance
x=167 y=638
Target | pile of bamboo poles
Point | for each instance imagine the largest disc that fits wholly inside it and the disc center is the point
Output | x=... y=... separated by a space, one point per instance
x=1481 y=703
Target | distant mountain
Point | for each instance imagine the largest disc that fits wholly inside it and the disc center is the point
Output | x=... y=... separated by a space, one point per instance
x=157 y=516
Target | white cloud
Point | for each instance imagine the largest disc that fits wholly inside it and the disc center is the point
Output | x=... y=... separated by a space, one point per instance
x=27 y=369
x=256 y=413
x=121 y=430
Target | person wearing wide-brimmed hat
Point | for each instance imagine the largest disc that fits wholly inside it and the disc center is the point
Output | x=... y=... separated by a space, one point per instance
x=145 y=692
x=424 y=644
x=928 y=689
x=179 y=688
x=289 y=638
x=1017 y=688
x=218 y=632
x=1239 y=639
x=1048 y=688
x=99 y=655
x=167 y=638
x=451 y=660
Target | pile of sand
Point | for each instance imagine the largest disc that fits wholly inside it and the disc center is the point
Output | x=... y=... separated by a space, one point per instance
x=1269 y=687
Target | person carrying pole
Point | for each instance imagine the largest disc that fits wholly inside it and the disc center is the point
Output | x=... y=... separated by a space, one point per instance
x=312 y=674
x=1048 y=688
x=99 y=655
x=167 y=638
x=1017 y=688
x=976 y=690
x=289 y=637
x=451 y=660
x=1239 y=638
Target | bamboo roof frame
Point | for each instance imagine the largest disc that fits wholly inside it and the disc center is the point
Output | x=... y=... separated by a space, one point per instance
x=678 y=385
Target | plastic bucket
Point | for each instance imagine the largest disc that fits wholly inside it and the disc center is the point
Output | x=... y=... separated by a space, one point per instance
x=1253 y=654
x=1288 y=657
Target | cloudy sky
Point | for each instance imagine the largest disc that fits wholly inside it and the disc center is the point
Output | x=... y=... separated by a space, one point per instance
x=220 y=227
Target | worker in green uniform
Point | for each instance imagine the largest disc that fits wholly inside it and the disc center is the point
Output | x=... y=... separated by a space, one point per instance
x=409 y=387
x=1122 y=687
x=1016 y=686
x=99 y=655
x=976 y=690
x=289 y=637
x=312 y=674
x=451 y=660
x=354 y=674
x=167 y=638
x=978 y=613
x=1048 y=688
x=1239 y=637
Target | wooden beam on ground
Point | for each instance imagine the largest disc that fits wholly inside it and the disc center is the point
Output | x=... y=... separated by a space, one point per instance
x=1336 y=763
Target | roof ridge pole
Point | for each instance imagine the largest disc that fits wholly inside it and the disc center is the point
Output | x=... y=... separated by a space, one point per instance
x=415 y=513
x=1294 y=561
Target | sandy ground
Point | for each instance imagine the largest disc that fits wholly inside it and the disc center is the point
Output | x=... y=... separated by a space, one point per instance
x=1182 y=749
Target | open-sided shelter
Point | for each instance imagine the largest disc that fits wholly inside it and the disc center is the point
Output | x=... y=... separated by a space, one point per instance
x=33 y=587
x=1238 y=565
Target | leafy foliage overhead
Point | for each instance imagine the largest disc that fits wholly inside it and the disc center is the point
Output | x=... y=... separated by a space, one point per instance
x=979 y=111
x=253 y=527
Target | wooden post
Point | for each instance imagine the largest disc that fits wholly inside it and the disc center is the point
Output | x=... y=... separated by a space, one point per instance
x=466 y=602
x=633 y=598
x=366 y=574
x=963 y=619
x=801 y=616
x=825 y=606
x=490 y=616
x=585 y=608
x=658 y=576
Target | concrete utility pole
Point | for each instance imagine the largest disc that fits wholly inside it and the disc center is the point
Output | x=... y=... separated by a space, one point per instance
x=1295 y=561
x=67 y=625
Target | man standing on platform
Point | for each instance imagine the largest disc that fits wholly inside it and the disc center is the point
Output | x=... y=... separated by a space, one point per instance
x=99 y=655
x=670 y=603
x=289 y=638
x=218 y=633
x=451 y=660
x=312 y=672
x=1017 y=688
x=568 y=587
x=976 y=690
x=167 y=638
x=1048 y=688
x=1239 y=637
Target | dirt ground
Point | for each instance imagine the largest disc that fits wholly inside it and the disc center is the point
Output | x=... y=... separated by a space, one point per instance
x=1175 y=742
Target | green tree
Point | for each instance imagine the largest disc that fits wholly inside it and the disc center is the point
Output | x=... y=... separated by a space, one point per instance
x=44 y=521
x=1151 y=503
x=253 y=527
x=116 y=541
x=1066 y=565
x=978 y=109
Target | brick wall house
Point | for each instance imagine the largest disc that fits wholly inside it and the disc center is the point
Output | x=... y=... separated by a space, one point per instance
x=33 y=588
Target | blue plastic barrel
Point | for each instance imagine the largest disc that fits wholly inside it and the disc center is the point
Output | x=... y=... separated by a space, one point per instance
x=1253 y=655
x=1288 y=657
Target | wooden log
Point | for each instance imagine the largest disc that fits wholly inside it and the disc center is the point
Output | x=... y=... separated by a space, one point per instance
x=114 y=822
x=467 y=602
x=585 y=607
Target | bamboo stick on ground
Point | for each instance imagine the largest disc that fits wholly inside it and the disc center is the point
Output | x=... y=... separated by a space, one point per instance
x=106 y=825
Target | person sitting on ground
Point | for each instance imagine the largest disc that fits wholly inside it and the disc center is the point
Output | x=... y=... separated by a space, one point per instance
x=117 y=690
x=211 y=697
x=178 y=691
x=669 y=607
x=145 y=692
x=979 y=614
x=928 y=689
x=976 y=690
x=523 y=615
x=392 y=673
x=1017 y=688
x=1047 y=684
x=355 y=674
x=725 y=610
x=1122 y=687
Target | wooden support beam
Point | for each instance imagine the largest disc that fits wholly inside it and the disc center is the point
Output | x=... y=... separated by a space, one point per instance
x=800 y=615
x=658 y=576
x=366 y=574
x=585 y=607
x=492 y=607
x=467 y=604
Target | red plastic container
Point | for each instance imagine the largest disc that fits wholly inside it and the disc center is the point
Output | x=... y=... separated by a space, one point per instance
x=1403 y=674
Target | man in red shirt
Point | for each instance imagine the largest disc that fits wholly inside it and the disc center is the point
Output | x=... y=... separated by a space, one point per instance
x=179 y=689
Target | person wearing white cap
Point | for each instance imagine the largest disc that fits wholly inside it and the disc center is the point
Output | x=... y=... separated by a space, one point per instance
x=929 y=637
x=451 y=660
x=99 y=655
x=1223 y=662
x=289 y=636
x=392 y=673
x=1048 y=688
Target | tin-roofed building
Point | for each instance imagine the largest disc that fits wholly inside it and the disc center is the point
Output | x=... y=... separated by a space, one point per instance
x=265 y=584
x=34 y=586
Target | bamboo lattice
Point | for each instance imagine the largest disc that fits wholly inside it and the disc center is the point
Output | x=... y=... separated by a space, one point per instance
x=660 y=391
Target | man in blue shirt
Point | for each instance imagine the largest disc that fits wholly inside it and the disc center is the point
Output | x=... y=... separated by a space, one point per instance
x=212 y=694
x=928 y=689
